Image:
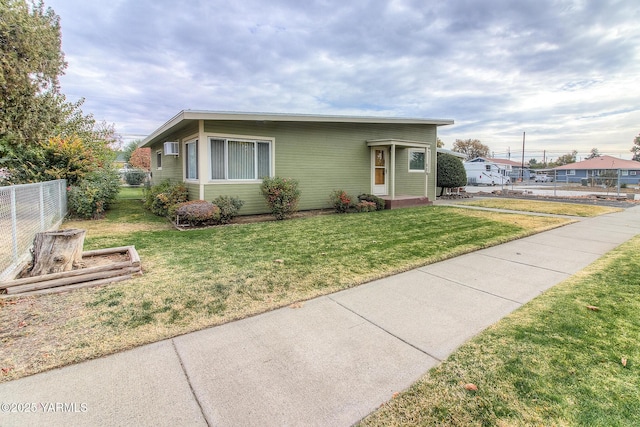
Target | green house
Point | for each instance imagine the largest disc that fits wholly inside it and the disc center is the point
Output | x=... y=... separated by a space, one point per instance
x=216 y=153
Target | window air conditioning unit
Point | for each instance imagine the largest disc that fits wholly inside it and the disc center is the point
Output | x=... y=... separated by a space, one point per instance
x=170 y=148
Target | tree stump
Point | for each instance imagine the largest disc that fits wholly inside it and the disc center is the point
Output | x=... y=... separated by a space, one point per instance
x=57 y=251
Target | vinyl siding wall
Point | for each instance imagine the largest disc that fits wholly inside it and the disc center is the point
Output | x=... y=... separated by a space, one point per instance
x=172 y=166
x=322 y=156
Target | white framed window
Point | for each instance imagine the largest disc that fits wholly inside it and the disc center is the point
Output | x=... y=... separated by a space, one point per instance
x=571 y=172
x=632 y=172
x=239 y=159
x=625 y=172
x=159 y=159
x=191 y=160
x=416 y=160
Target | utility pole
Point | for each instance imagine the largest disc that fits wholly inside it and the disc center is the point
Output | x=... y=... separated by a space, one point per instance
x=522 y=166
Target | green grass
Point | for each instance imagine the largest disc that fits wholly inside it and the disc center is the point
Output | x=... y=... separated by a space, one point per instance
x=130 y=192
x=200 y=278
x=552 y=362
x=556 y=208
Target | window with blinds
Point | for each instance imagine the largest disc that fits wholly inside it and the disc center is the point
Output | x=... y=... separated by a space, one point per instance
x=235 y=159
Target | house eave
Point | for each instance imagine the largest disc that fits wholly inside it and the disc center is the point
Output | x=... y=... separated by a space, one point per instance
x=185 y=117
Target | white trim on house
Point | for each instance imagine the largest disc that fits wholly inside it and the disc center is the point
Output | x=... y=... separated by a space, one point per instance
x=188 y=116
x=226 y=138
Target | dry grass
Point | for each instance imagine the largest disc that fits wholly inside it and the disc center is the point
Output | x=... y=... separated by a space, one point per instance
x=554 y=208
x=201 y=278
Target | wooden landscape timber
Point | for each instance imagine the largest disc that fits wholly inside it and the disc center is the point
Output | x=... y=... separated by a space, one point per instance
x=78 y=278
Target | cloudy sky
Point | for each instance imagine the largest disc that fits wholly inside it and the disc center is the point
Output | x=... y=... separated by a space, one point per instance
x=566 y=72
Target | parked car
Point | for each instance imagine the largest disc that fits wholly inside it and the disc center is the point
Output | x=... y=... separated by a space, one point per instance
x=543 y=177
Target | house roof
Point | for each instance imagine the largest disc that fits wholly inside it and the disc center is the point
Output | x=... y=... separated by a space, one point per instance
x=602 y=162
x=453 y=153
x=507 y=162
x=185 y=117
x=498 y=161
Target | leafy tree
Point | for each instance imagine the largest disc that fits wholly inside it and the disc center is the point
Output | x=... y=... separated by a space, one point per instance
x=32 y=109
x=565 y=159
x=129 y=149
x=636 y=148
x=439 y=143
x=451 y=173
x=141 y=158
x=472 y=148
x=594 y=153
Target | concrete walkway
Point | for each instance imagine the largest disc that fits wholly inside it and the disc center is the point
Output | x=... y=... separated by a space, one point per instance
x=328 y=363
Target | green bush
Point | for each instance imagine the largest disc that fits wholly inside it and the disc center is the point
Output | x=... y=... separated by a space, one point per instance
x=451 y=173
x=380 y=203
x=134 y=176
x=160 y=198
x=197 y=213
x=282 y=196
x=91 y=196
x=340 y=201
x=229 y=207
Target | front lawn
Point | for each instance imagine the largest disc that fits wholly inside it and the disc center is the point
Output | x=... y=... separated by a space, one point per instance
x=556 y=208
x=200 y=278
x=568 y=357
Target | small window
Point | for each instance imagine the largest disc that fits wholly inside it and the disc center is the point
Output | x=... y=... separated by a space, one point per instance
x=191 y=160
x=625 y=172
x=571 y=172
x=632 y=172
x=487 y=168
x=416 y=160
x=159 y=159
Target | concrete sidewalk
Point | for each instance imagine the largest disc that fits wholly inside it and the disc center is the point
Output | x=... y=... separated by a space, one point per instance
x=331 y=361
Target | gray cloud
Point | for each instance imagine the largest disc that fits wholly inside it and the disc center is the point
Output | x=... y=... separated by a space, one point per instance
x=565 y=71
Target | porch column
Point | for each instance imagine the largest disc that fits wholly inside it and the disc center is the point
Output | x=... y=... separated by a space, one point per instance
x=203 y=164
x=427 y=165
x=393 y=172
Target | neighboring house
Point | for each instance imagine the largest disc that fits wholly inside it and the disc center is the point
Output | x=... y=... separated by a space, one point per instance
x=217 y=154
x=599 y=169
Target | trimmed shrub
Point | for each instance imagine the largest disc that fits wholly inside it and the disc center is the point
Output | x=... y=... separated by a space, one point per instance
x=197 y=213
x=91 y=196
x=161 y=197
x=282 y=196
x=340 y=201
x=380 y=203
x=365 y=206
x=451 y=173
x=134 y=176
x=229 y=207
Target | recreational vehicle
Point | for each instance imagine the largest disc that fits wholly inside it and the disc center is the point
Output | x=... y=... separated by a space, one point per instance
x=486 y=173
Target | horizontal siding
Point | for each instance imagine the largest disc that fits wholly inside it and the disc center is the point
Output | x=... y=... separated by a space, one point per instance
x=322 y=156
x=407 y=183
x=249 y=193
x=171 y=165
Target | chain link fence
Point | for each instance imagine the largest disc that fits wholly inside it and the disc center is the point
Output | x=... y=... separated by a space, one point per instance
x=24 y=211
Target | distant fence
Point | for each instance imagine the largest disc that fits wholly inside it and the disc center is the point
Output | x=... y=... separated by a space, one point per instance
x=24 y=211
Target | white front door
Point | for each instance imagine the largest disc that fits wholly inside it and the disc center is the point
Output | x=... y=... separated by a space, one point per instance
x=380 y=166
